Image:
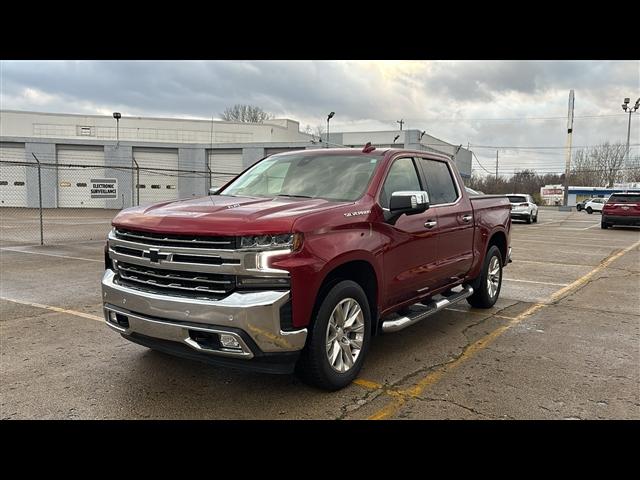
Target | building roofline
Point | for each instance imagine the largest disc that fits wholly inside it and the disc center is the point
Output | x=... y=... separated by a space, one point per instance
x=138 y=117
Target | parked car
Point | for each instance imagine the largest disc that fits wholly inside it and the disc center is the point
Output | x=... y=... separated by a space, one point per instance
x=621 y=209
x=523 y=207
x=580 y=205
x=594 y=205
x=287 y=269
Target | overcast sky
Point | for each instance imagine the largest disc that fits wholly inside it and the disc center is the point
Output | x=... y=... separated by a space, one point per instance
x=484 y=103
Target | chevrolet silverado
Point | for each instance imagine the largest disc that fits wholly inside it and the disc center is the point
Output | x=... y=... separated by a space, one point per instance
x=297 y=262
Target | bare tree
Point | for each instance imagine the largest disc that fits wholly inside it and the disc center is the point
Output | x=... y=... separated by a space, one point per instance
x=598 y=166
x=319 y=131
x=245 y=113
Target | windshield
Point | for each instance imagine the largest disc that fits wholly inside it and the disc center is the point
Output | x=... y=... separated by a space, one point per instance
x=624 y=198
x=331 y=177
x=514 y=199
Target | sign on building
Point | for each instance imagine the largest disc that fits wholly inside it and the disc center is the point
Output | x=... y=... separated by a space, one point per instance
x=104 y=188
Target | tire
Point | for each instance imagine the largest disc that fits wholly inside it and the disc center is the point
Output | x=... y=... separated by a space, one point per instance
x=589 y=210
x=528 y=219
x=604 y=225
x=535 y=219
x=578 y=207
x=314 y=366
x=482 y=297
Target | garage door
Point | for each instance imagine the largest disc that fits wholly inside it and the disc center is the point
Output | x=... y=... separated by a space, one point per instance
x=225 y=165
x=157 y=185
x=13 y=178
x=77 y=166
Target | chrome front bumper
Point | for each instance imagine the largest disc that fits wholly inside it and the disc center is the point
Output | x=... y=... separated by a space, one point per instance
x=251 y=318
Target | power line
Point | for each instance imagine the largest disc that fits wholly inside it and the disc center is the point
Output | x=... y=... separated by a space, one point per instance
x=480 y=164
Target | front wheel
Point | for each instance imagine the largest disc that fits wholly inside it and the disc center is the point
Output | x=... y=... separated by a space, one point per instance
x=339 y=338
x=604 y=225
x=589 y=210
x=528 y=219
x=487 y=286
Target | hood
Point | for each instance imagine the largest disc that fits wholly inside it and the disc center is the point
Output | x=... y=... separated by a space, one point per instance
x=222 y=215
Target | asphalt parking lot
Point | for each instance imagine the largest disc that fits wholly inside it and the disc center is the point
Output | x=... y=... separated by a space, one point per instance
x=561 y=343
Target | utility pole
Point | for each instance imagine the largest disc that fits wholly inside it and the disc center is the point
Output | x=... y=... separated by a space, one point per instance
x=496 y=165
x=329 y=117
x=625 y=107
x=401 y=122
x=567 y=167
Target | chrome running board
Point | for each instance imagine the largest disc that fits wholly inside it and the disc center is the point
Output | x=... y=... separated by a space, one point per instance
x=420 y=311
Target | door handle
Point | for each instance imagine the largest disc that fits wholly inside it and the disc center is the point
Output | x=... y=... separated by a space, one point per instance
x=467 y=218
x=430 y=224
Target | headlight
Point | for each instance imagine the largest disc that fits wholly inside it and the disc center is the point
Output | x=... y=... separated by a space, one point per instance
x=267 y=242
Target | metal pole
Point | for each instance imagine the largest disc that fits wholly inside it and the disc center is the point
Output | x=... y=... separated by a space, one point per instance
x=496 y=165
x=117 y=133
x=137 y=180
x=327 y=133
x=626 y=163
x=40 y=199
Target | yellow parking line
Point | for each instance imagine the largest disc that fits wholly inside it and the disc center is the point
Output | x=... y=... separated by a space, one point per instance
x=56 y=309
x=402 y=396
x=367 y=384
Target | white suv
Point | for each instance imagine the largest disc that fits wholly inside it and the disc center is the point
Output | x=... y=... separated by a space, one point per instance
x=595 y=205
x=523 y=207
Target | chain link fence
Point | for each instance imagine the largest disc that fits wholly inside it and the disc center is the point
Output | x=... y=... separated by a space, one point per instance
x=48 y=201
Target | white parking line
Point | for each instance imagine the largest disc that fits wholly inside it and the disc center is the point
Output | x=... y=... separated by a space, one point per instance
x=532 y=281
x=51 y=255
x=559 y=264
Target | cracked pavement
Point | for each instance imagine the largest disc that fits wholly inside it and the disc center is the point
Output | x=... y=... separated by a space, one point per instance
x=577 y=357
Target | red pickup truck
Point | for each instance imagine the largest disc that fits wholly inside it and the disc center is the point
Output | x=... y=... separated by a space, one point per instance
x=298 y=261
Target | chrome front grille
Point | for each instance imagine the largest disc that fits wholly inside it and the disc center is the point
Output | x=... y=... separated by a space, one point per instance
x=179 y=283
x=171 y=240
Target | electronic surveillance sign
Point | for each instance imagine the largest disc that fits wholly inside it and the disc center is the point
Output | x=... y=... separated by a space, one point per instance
x=104 y=188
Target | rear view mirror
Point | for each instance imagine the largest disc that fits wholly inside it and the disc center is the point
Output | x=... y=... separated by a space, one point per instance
x=407 y=203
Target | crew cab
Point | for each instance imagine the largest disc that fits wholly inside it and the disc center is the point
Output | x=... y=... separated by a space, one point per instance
x=621 y=209
x=523 y=207
x=296 y=263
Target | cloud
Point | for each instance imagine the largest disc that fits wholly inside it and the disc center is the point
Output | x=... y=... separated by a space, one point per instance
x=459 y=101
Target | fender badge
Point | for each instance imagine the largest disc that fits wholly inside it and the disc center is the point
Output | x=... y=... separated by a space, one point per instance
x=359 y=212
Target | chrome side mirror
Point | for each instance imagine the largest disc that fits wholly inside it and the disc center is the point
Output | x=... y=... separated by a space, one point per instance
x=407 y=203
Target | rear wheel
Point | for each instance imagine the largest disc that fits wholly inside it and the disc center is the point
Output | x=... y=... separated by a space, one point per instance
x=535 y=218
x=339 y=338
x=589 y=210
x=487 y=286
x=529 y=219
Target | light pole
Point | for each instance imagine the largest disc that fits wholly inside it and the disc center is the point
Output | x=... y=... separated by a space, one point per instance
x=625 y=107
x=329 y=117
x=117 y=116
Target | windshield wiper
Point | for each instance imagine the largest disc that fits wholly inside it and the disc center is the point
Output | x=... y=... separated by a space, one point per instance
x=295 y=196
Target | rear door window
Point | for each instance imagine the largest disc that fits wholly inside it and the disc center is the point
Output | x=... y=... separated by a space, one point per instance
x=517 y=199
x=440 y=184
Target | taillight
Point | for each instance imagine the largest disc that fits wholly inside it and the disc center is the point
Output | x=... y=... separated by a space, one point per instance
x=523 y=205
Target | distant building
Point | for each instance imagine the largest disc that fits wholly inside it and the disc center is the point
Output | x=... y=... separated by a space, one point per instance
x=93 y=161
x=552 y=194
x=409 y=139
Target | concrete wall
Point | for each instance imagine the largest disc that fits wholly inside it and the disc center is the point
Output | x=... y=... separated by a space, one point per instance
x=46 y=153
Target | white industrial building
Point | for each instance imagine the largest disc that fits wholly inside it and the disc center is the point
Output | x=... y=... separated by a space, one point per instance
x=92 y=161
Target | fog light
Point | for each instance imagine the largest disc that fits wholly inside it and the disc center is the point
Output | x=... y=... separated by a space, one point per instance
x=229 y=341
x=112 y=317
